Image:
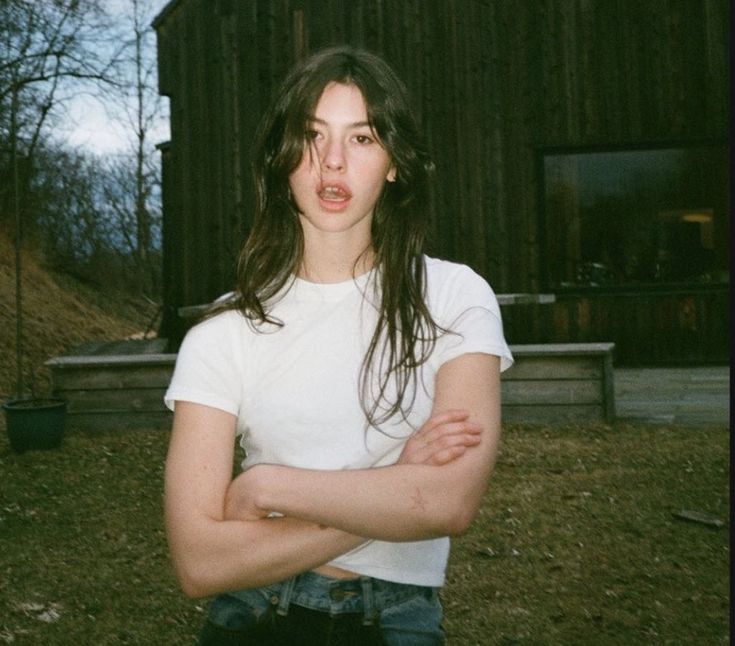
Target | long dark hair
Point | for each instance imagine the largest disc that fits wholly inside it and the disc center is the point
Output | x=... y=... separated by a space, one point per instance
x=405 y=333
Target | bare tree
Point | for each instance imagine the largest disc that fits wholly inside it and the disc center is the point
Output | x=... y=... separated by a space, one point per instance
x=140 y=109
x=90 y=212
x=43 y=45
x=48 y=51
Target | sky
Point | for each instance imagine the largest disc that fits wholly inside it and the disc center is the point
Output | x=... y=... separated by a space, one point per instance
x=88 y=122
x=89 y=126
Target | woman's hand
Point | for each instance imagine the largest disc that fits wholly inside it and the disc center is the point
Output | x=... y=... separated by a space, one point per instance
x=443 y=438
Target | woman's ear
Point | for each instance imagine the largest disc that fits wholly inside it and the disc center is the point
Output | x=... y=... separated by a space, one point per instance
x=391 y=177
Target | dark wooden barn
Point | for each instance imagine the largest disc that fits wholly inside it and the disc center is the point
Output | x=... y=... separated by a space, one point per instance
x=581 y=150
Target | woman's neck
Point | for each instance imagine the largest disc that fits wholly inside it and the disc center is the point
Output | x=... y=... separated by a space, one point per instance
x=336 y=267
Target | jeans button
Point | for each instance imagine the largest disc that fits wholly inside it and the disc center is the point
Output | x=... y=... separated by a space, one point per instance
x=337 y=594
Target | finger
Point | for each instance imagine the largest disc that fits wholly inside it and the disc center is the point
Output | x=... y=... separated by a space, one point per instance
x=419 y=449
x=445 y=449
x=447 y=428
x=447 y=441
x=447 y=416
x=441 y=450
x=447 y=455
x=454 y=428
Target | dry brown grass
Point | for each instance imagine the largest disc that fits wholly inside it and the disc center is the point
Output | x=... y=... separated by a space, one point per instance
x=575 y=543
x=59 y=313
x=578 y=541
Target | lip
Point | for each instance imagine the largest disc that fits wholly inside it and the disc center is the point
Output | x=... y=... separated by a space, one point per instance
x=334 y=205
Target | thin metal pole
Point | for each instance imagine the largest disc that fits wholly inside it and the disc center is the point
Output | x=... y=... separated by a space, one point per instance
x=19 y=386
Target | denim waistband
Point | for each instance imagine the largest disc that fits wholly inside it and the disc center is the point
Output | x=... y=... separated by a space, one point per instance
x=365 y=595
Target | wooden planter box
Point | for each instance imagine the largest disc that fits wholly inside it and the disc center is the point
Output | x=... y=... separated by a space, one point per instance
x=557 y=383
x=115 y=386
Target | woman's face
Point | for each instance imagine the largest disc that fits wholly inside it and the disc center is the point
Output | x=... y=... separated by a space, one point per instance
x=342 y=171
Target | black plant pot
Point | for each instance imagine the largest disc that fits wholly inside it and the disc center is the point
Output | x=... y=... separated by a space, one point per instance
x=35 y=423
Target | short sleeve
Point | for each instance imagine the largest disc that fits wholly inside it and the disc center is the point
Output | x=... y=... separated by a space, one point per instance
x=466 y=306
x=207 y=367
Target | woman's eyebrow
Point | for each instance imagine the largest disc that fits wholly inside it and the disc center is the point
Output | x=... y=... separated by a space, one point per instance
x=356 y=124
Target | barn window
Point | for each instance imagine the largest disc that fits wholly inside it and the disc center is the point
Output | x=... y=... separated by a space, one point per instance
x=649 y=216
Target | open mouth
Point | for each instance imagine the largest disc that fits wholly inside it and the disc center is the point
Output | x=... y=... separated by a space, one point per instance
x=334 y=196
x=334 y=193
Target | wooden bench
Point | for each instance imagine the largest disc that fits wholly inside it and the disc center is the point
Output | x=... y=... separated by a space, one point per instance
x=553 y=383
x=116 y=385
x=120 y=385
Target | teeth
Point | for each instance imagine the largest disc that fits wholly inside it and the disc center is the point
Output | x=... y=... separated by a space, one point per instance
x=333 y=192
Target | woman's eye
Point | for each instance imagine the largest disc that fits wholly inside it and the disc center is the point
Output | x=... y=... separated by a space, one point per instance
x=363 y=139
x=311 y=135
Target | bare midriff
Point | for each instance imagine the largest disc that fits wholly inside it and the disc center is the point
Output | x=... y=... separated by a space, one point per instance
x=335 y=572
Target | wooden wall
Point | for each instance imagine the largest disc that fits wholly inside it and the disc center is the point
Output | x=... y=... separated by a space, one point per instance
x=493 y=80
x=669 y=327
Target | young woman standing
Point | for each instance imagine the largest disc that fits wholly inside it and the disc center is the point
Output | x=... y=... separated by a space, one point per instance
x=361 y=376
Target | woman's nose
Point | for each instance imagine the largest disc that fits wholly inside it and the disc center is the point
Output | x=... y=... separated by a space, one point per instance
x=333 y=157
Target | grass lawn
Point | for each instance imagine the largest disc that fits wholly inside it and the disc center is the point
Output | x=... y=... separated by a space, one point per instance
x=577 y=543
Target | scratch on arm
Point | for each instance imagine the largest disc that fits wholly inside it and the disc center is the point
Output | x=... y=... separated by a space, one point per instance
x=418 y=501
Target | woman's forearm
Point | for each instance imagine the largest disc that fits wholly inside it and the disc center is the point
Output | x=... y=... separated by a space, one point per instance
x=396 y=503
x=224 y=555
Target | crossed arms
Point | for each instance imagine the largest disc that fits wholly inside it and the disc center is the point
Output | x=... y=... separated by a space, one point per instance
x=218 y=532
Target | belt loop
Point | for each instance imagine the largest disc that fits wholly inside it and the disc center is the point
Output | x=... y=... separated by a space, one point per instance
x=368 y=602
x=286 y=592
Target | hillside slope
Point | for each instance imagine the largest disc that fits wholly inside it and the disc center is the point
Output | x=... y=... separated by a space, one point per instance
x=59 y=314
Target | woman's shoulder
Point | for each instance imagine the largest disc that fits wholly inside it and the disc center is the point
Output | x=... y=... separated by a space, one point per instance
x=452 y=287
x=219 y=325
x=441 y=266
x=445 y=274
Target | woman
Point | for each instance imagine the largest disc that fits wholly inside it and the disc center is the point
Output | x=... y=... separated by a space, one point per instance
x=361 y=377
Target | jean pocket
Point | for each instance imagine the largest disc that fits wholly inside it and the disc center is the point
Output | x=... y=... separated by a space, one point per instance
x=237 y=614
x=414 y=622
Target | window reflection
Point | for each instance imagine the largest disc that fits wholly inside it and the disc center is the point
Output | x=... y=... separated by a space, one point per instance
x=636 y=217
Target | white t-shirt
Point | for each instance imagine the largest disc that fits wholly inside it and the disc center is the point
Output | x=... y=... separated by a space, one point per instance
x=295 y=389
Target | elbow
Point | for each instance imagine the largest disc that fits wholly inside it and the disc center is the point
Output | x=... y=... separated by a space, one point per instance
x=193 y=589
x=200 y=573
x=451 y=516
x=192 y=581
x=459 y=512
x=193 y=558
x=459 y=521
x=196 y=574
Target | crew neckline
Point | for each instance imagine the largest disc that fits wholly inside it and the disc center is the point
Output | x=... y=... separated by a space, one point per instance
x=332 y=291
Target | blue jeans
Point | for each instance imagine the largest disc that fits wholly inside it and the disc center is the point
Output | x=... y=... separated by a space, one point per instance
x=313 y=610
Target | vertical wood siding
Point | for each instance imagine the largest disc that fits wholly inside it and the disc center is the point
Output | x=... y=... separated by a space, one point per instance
x=493 y=81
